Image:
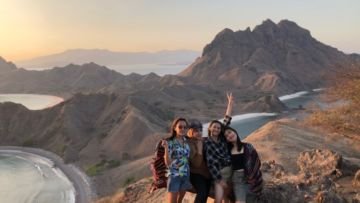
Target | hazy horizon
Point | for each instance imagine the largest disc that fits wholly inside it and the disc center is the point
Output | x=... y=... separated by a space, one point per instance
x=32 y=29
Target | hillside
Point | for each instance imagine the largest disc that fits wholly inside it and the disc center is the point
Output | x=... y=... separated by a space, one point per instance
x=298 y=165
x=277 y=58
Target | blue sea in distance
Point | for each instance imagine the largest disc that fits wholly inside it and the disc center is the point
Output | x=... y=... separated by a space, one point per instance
x=142 y=69
x=31 y=101
x=247 y=123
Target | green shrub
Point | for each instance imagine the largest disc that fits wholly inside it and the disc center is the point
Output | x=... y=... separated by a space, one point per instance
x=128 y=181
x=98 y=168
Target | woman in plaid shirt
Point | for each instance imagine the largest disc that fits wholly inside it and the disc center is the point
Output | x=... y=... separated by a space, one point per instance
x=216 y=154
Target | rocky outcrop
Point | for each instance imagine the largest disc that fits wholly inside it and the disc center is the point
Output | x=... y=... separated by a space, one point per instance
x=319 y=162
x=273 y=57
x=315 y=181
x=356 y=180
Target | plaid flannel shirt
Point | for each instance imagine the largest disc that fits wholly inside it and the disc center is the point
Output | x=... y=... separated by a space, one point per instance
x=216 y=153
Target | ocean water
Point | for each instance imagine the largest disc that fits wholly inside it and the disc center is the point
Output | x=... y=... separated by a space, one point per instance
x=245 y=124
x=28 y=178
x=142 y=69
x=31 y=101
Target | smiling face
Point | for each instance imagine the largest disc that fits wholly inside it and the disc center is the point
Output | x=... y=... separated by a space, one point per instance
x=181 y=128
x=195 y=133
x=230 y=136
x=215 y=129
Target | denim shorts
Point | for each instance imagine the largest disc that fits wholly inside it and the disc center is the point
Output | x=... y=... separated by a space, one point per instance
x=226 y=173
x=240 y=186
x=178 y=183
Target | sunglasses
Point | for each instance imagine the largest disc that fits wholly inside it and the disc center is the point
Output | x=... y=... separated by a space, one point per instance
x=182 y=127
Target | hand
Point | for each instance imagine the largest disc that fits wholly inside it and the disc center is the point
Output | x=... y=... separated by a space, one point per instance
x=164 y=144
x=230 y=98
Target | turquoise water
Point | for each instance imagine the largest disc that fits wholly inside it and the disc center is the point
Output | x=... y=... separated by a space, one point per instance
x=245 y=124
x=32 y=101
x=245 y=127
x=29 y=178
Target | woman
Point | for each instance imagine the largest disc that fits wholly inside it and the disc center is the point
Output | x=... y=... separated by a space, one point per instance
x=199 y=172
x=177 y=152
x=247 y=177
x=216 y=154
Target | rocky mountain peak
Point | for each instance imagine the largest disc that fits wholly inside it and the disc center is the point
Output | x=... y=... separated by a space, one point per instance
x=285 y=29
x=266 y=25
x=278 y=58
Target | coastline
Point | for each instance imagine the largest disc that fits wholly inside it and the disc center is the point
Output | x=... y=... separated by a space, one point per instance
x=83 y=188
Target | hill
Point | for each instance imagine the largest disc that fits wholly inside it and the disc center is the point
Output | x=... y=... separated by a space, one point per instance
x=108 y=58
x=278 y=58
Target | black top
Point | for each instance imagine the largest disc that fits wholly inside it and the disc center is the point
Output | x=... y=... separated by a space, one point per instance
x=238 y=161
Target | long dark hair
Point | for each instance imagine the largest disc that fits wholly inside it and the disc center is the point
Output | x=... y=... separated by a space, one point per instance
x=221 y=128
x=239 y=144
x=173 y=126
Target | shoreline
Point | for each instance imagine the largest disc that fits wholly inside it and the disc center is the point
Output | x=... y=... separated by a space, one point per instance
x=84 y=189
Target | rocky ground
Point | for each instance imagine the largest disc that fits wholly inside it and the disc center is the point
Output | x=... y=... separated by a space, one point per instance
x=299 y=165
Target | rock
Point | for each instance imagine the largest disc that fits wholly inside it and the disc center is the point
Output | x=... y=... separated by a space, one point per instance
x=320 y=162
x=282 y=193
x=356 y=180
x=329 y=197
x=356 y=198
x=276 y=170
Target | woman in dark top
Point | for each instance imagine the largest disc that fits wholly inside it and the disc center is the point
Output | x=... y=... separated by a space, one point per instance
x=247 y=177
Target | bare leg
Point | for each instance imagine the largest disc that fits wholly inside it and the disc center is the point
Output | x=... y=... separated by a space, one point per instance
x=180 y=196
x=172 y=196
x=219 y=192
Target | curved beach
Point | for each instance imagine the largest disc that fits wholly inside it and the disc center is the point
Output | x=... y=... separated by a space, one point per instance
x=83 y=191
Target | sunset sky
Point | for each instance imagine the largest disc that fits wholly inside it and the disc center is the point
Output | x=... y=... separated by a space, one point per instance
x=31 y=28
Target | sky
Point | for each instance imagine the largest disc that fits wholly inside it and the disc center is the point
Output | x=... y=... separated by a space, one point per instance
x=31 y=28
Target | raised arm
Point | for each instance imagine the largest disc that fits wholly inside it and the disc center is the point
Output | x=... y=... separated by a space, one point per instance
x=227 y=118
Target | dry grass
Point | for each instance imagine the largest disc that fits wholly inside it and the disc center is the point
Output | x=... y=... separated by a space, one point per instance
x=345 y=119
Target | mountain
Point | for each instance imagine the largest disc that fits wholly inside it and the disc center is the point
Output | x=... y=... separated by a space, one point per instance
x=272 y=57
x=6 y=66
x=85 y=126
x=107 y=116
x=108 y=58
x=71 y=79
